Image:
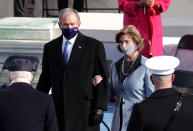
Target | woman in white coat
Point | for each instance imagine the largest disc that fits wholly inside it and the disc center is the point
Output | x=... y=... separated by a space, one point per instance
x=129 y=78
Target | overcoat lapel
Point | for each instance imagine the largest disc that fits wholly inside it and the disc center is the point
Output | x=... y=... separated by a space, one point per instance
x=77 y=49
x=58 y=52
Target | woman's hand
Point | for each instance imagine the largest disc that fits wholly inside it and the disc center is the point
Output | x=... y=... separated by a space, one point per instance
x=140 y=3
x=146 y=3
x=149 y=3
x=96 y=80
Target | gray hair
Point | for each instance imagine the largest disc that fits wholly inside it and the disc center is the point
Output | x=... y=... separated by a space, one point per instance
x=68 y=10
x=20 y=76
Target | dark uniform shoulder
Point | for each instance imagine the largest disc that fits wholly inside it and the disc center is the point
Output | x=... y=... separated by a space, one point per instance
x=4 y=86
x=41 y=97
x=145 y=100
x=187 y=96
x=42 y=94
x=145 y=103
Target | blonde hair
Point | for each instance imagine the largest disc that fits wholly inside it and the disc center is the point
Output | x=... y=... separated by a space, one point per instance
x=20 y=76
x=136 y=36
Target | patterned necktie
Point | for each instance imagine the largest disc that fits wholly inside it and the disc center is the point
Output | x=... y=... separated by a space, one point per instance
x=66 y=51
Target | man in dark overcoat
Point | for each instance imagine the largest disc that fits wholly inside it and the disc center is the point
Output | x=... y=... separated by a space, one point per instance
x=24 y=8
x=22 y=108
x=69 y=64
x=77 y=5
x=166 y=109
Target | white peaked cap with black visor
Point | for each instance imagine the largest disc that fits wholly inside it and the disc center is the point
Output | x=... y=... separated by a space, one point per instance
x=162 y=65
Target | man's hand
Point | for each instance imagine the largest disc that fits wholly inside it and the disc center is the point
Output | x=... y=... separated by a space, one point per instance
x=96 y=80
x=96 y=117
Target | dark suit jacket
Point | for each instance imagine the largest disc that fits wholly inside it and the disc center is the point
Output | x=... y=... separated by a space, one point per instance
x=154 y=113
x=22 y=108
x=72 y=89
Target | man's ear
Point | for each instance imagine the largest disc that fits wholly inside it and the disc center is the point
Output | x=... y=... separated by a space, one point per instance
x=9 y=79
x=151 y=79
x=59 y=25
x=173 y=78
x=79 y=23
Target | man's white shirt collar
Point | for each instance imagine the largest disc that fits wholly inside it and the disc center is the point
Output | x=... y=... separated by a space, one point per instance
x=72 y=40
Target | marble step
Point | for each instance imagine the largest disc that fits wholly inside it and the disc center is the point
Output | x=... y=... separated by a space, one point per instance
x=25 y=28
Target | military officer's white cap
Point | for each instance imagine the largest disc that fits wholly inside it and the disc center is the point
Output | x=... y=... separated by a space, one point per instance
x=162 y=65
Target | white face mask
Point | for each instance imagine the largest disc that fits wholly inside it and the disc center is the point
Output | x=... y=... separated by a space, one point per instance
x=128 y=49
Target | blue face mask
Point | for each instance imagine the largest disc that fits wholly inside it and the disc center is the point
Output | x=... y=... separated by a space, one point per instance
x=69 y=32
